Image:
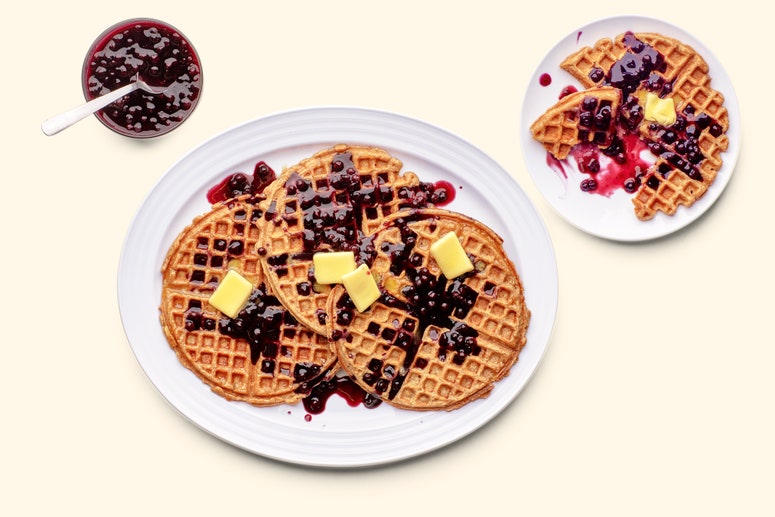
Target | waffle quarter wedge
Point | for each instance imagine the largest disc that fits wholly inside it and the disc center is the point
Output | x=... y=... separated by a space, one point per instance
x=585 y=116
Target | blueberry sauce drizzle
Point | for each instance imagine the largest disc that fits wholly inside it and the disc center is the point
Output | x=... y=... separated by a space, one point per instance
x=333 y=209
x=429 y=301
x=239 y=183
x=567 y=90
x=264 y=323
x=637 y=65
x=259 y=323
x=596 y=121
x=345 y=387
x=676 y=146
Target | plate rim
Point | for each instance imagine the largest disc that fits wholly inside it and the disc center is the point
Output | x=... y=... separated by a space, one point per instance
x=464 y=428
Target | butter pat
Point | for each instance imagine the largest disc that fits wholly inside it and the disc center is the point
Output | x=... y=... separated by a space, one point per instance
x=231 y=294
x=330 y=266
x=661 y=111
x=361 y=287
x=450 y=256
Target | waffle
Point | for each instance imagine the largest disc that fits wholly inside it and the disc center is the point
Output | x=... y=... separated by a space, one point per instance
x=673 y=180
x=673 y=69
x=602 y=56
x=263 y=356
x=430 y=343
x=315 y=206
x=569 y=122
x=694 y=97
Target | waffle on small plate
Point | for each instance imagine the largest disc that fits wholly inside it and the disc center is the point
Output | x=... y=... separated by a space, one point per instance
x=687 y=152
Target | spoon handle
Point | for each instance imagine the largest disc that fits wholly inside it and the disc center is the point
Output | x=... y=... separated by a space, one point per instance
x=64 y=120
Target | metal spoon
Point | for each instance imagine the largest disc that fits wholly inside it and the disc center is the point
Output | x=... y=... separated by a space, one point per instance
x=55 y=124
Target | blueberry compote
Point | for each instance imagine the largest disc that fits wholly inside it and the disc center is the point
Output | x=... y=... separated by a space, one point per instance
x=155 y=52
x=239 y=183
x=637 y=65
x=260 y=323
x=315 y=402
x=264 y=323
x=678 y=145
x=617 y=157
x=596 y=121
x=334 y=210
x=432 y=303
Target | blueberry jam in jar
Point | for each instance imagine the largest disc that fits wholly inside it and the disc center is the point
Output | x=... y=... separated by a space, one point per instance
x=155 y=52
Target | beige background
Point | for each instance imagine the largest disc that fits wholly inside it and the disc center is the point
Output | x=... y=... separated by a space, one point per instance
x=656 y=393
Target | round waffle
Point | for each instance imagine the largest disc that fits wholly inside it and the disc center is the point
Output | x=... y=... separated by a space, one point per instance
x=263 y=356
x=328 y=201
x=430 y=342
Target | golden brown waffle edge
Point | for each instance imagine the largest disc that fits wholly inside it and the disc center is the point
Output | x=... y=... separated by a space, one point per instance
x=411 y=350
x=290 y=237
x=198 y=259
x=664 y=188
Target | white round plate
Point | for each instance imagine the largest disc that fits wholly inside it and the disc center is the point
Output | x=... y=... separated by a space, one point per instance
x=341 y=436
x=613 y=217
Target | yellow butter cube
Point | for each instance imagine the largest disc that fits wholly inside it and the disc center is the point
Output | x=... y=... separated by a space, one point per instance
x=661 y=111
x=231 y=294
x=361 y=287
x=331 y=265
x=450 y=256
